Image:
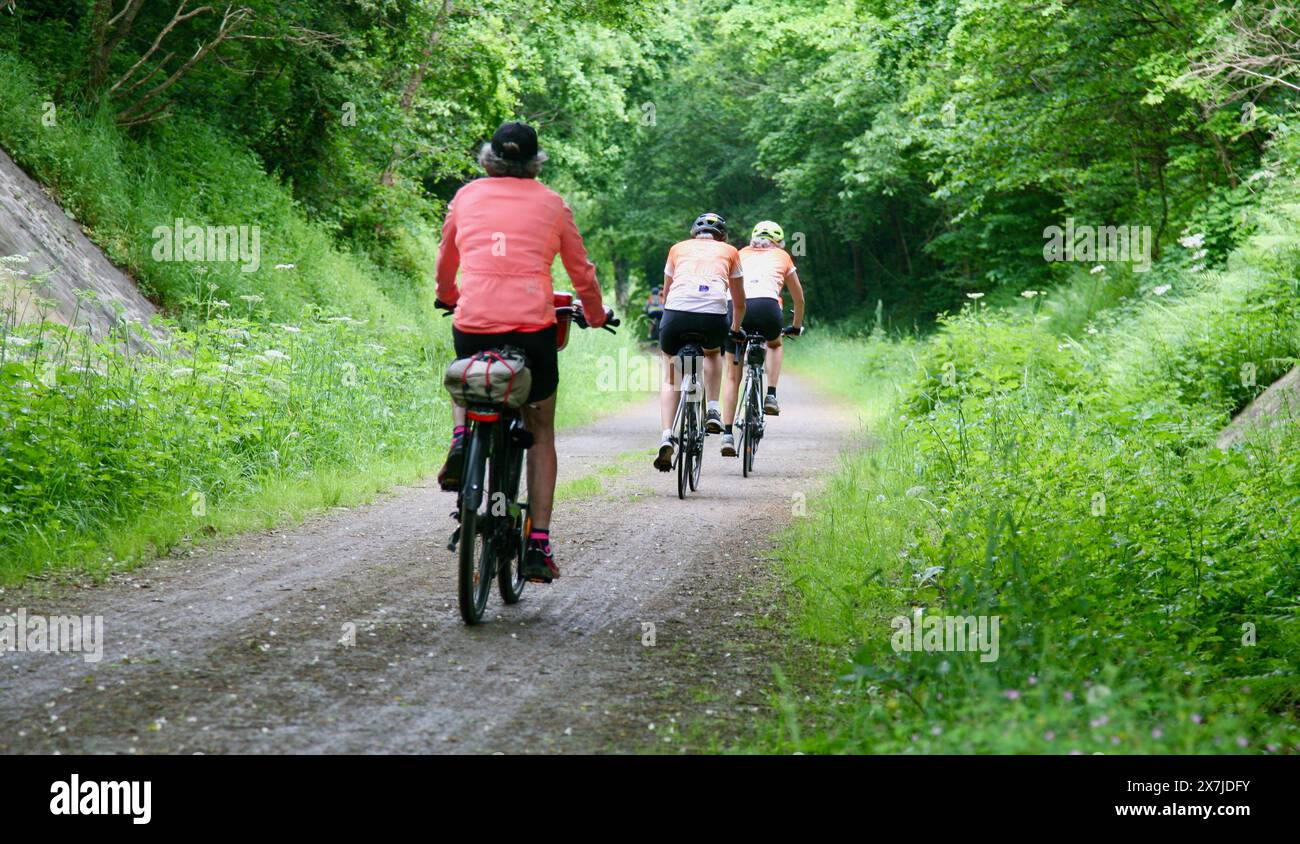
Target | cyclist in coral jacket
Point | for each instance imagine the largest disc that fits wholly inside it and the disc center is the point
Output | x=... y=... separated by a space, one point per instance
x=502 y=233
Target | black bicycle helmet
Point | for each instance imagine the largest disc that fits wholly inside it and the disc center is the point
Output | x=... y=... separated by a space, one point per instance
x=711 y=223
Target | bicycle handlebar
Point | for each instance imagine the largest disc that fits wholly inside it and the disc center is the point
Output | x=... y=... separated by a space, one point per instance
x=573 y=311
x=580 y=319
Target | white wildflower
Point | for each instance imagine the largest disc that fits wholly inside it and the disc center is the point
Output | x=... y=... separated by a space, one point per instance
x=1161 y=289
x=974 y=295
x=1100 y=268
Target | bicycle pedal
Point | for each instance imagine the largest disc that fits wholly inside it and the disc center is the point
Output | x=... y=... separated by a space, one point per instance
x=455 y=540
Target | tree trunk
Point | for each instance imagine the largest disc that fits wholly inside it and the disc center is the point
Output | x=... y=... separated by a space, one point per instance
x=622 y=282
x=96 y=55
x=388 y=178
x=859 y=276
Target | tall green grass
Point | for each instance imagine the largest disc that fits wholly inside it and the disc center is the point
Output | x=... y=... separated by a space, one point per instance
x=1065 y=481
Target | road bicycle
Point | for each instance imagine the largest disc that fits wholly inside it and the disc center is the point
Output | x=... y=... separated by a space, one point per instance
x=688 y=424
x=493 y=518
x=753 y=385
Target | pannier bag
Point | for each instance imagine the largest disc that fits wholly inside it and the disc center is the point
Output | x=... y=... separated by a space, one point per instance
x=495 y=376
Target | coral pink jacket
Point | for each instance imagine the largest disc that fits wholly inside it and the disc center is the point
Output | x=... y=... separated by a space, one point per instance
x=503 y=234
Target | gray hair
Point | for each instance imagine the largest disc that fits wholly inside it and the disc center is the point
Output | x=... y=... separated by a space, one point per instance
x=495 y=165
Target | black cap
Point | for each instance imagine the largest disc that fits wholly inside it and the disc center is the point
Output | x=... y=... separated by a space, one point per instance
x=515 y=141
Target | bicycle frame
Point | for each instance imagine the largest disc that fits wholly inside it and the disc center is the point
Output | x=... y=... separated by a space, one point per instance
x=692 y=387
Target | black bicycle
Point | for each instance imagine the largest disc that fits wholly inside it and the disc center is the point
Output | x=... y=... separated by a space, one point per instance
x=688 y=425
x=752 y=389
x=494 y=521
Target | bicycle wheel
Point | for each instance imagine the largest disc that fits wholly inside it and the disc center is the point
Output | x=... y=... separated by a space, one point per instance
x=752 y=408
x=474 y=578
x=697 y=458
x=684 y=449
x=510 y=582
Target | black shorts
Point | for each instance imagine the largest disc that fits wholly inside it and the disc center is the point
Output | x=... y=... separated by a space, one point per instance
x=537 y=346
x=762 y=315
x=712 y=329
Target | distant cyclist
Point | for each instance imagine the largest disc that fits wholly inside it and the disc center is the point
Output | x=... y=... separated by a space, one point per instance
x=654 y=311
x=767 y=269
x=697 y=278
x=504 y=297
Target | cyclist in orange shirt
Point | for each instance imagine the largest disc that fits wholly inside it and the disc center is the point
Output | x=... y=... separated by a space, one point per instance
x=767 y=269
x=698 y=276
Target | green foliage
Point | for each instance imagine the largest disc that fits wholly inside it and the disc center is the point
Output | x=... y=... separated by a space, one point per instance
x=95 y=436
x=1144 y=579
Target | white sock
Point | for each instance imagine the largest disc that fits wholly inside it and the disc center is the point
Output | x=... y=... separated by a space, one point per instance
x=713 y=405
x=668 y=432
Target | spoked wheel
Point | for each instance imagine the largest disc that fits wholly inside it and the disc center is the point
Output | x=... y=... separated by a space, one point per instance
x=475 y=547
x=697 y=447
x=685 y=452
x=751 y=441
x=510 y=582
x=746 y=450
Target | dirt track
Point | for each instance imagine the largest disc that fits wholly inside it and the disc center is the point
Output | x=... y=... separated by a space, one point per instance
x=237 y=649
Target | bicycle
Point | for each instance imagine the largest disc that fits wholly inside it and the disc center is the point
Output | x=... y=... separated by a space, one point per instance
x=493 y=522
x=753 y=418
x=688 y=424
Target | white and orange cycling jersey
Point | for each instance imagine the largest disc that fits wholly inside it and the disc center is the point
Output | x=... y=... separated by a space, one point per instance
x=766 y=268
x=700 y=269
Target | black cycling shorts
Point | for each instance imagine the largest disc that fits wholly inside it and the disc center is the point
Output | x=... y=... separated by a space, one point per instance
x=712 y=329
x=761 y=315
x=537 y=346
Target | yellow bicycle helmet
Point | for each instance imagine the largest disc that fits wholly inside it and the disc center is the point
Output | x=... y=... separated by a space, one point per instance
x=768 y=230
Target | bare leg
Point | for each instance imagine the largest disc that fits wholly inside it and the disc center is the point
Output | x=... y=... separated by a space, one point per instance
x=775 y=354
x=539 y=419
x=668 y=393
x=730 y=389
x=712 y=374
x=457 y=414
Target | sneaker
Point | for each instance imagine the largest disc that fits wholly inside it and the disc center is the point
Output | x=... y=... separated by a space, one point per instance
x=539 y=563
x=713 y=422
x=728 y=445
x=449 y=475
x=770 y=405
x=664 y=460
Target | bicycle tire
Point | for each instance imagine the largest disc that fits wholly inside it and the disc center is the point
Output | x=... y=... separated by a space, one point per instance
x=474 y=582
x=510 y=581
x=684 y=450
x=751 y=424
x=697 y=459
